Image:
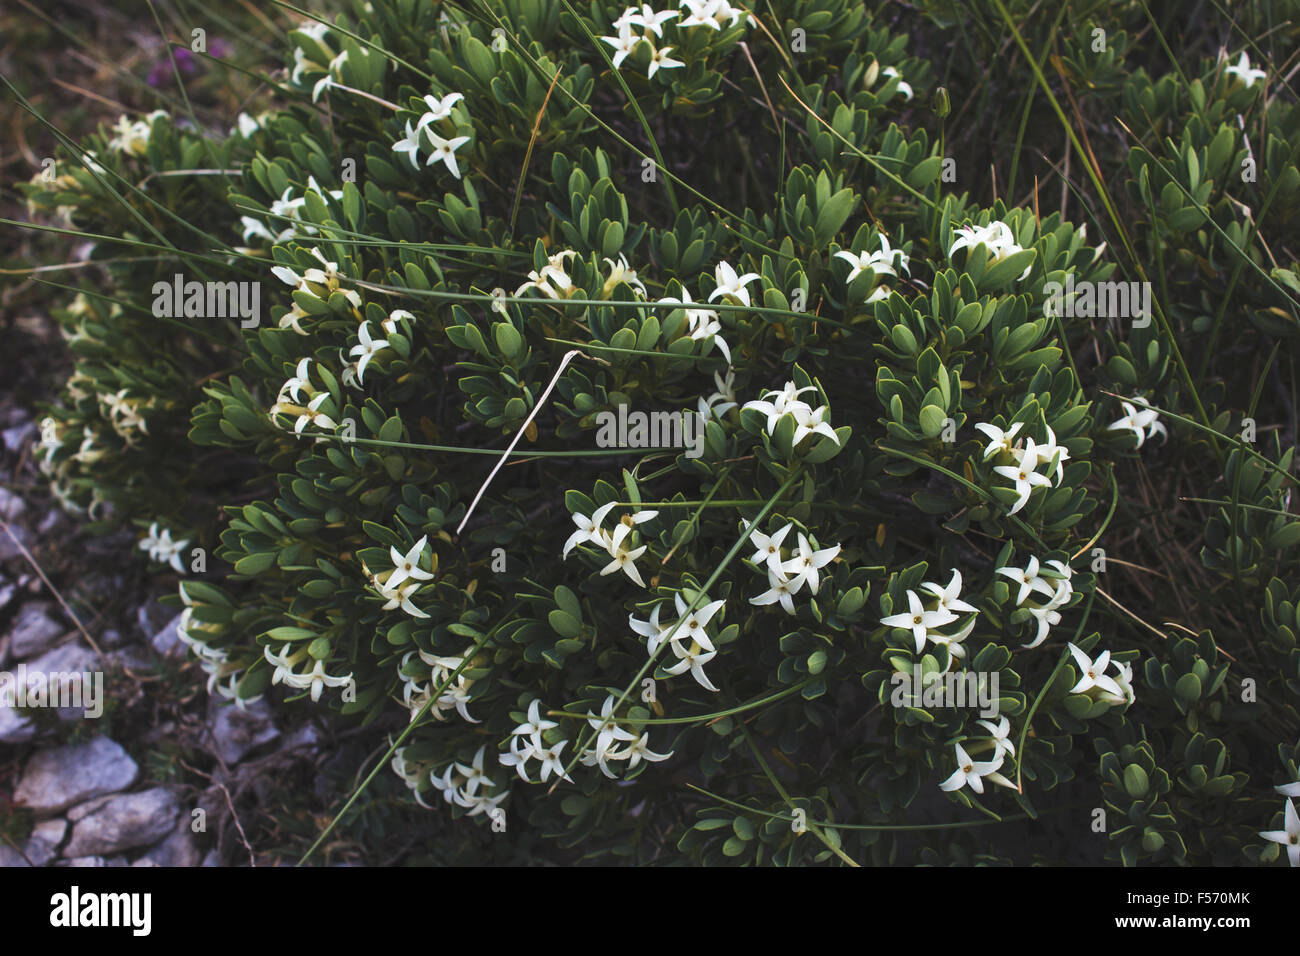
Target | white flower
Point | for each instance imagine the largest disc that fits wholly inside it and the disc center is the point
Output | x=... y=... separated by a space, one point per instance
x=647 y=18
x=410 y=144
x=782 y=589
x=366 y=350
x=1143 y=424
x=1029 y=580
x=619 y=272
x=640 y=750
x=877 y=263
x=721 y=401
x=904 y=87
x=807 y=562
x=407 y=565
x=662 y=61
x=918 y=620
x=445 y=150
x=623 y=44
x=783 y=400
x=1050 y=452
x=534 y=726
x=693 y=658
x=728 y=283
x=1001 y=736
x=623 y=558
x=1289 y=789
x=439 y=109
x=588 y=529
x=400 y=597
x=969 y=772
x=811 y=422
x=1093 y=673
x=999 y=441
x=691 y=626
x=1243 y=71
x=996 y=237
x=1024 y=476
x=701 y=14
x=768 y=547
x=131 y=137
x=1289 y=836
x=607 y=732
x=316 y=679
x=162 y=548
x=652 y=630
x=701 y=322
x=950 y=596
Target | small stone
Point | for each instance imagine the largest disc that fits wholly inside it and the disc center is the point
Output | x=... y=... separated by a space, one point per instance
x=14 y=727
x=10 y=857
x=67 y=663
x=177 y=849
x=43 y=845
x=56 y=779
x=35 y=629
x=166 y=642
x=211 y=859
x=19 y=437
x=237 y=732
x=121 y=822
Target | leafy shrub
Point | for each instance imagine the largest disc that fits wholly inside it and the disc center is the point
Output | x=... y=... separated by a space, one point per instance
x=507 y=226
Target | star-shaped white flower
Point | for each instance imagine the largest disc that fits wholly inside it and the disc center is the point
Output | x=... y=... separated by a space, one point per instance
x=691 y=626
x=918 y=620
x=999 y=441
x=782 y=589
x=439 y=109
x=768 y=547
x=1143 y=424
x=624 y=43
x=366 y=350
x=806 y=563
x=445 y=150
x=410 y=145
x=407 y=565
x=1024 y=476
x=662 y=61
x=970 y=772
x=588 y=529
x=1093 y=673
x=1029 y=580
x=1242 y=70
x=1000 y=732
x=622 y=557
x=1289 y=835
x=640 y=750
x=728 y=283
x=950 y=596
x=694 y=658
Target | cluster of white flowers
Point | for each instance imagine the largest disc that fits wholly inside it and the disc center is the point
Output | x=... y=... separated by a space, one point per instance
x=701 y=323
x=972 y=773
x=439 y=148
x=124 y=415
x=162 y=548
x=526 y=744
x=399 y=585
x=415 y=694
x=1096 y=684
x=925 y=623
x=1289 y=835
x=721 y=401
x=1027 y=456
x=1056 y=586
x=879 y=263
x=286 y=208
x=608 y=732
x=625 y=41
x=996 y=237
x=302 y=414
x=319 y=283
x=315 y=679
x=133 y=136
x=301 y=65
x=213 y=660
x=786 y=401
x=616 y=544
x=552 y=280
x=786 y=575
x=467 y=786
x=686 y=636
x=1143 y=424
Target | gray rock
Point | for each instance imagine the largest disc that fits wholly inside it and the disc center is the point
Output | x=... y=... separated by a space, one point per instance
x=211 y=859
x=19 y=437
x=237 y=732
x=43 y=845
x=179 y=848
x=94 y=861
x=166 y=642
x=117 y=823
x=10 y=857
x=7 y=589
x=14 y=727
x=153 y=616
x=35 y=629
x=70 y=658
x=56 y=779
x=11 y=505
x=9 y=550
